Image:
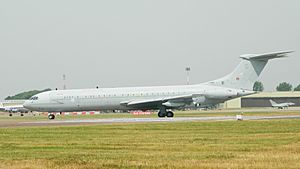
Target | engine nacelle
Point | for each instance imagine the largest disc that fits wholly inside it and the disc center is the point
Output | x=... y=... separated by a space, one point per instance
x=199 y=100
x=221 y=94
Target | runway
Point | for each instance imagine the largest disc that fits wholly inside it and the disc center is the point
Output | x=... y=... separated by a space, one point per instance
x=150 y=120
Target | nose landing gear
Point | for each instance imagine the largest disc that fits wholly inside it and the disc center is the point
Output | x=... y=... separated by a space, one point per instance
x=51 y=116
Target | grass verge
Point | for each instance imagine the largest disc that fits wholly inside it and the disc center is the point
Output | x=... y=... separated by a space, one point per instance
x=226 y=144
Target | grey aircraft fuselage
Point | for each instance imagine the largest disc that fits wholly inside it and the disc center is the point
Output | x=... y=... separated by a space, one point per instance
x=281 y=105
x=116 y=98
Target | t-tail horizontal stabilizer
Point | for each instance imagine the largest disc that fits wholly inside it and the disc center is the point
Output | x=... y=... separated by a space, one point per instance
x=248 y=71
x=266 y=56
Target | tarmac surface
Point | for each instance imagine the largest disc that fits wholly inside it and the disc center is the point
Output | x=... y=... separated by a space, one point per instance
x=140 y=120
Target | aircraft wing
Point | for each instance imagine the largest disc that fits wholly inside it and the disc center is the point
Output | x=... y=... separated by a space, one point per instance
x=174 y=101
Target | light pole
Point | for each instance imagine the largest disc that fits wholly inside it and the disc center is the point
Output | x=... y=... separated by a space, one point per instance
x=64 y=82
x=188 y=69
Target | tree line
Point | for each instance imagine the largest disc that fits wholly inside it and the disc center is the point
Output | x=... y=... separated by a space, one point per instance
x=25 y=95
x=284 y=86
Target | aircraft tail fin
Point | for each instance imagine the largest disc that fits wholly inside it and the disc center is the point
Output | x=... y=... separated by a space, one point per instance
x=248 y=71
x=273 y=103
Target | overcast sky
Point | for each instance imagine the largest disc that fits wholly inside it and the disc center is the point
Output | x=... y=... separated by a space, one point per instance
x=117 y=43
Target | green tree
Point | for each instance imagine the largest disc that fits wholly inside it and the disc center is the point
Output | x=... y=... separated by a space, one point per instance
x=258 y=86
x=284 y=86
x=25 y=95
x=297 y=88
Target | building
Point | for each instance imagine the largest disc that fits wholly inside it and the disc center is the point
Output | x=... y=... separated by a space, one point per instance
x=11 y=103
x=263 y=100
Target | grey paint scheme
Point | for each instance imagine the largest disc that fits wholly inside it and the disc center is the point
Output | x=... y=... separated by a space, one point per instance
x=119 y=98
x=281 y=105
x=238 y=83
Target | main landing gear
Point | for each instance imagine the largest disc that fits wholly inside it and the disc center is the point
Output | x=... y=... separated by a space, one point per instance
x=51 y=116
x=164 y=113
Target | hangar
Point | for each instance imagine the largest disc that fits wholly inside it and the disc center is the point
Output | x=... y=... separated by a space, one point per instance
x=262 y=100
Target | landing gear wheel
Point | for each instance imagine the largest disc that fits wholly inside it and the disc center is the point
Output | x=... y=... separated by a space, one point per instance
x=51 y=116
x=161 y=114
x=22 y=114
x=10 y=114
x=170 y=114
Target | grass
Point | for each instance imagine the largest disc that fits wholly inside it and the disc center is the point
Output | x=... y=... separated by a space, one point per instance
x=227 y=144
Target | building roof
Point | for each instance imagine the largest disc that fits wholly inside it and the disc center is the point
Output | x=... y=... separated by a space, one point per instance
x=274 y=94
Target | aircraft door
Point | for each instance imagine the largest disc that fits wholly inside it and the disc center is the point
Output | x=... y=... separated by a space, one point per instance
x=77 y=101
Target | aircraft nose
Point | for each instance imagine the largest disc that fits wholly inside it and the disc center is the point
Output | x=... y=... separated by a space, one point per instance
x=27 y=104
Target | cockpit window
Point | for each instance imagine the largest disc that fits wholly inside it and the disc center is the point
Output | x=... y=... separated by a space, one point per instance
x=34 y=98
